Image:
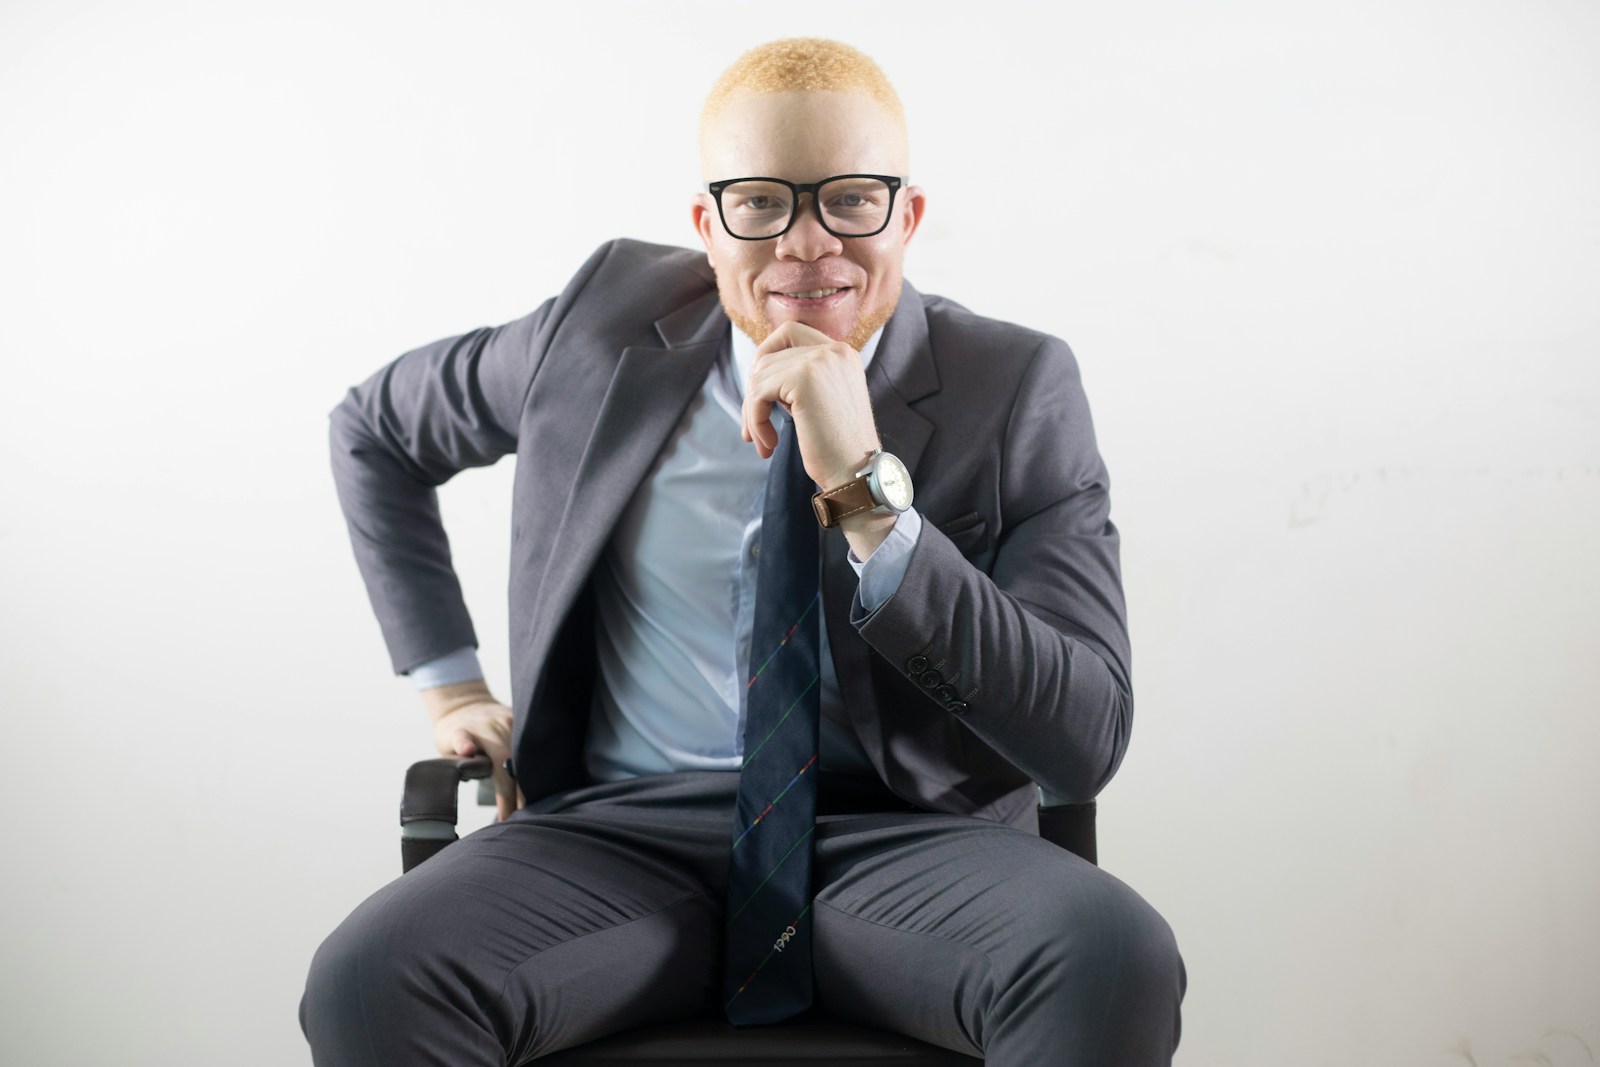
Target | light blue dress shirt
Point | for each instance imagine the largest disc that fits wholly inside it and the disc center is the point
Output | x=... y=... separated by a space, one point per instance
x=675 y=600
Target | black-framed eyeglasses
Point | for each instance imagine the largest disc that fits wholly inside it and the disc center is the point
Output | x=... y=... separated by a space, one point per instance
x=848 y=205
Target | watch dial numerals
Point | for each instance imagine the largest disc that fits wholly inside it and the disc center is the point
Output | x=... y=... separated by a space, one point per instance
x=895 y=484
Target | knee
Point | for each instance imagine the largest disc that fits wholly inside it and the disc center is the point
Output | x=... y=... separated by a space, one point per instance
x=1116 y=926
x=1110 y=931
x=1098 y=945
x=331 y=1007
x=356 y=975
x=1090 y=972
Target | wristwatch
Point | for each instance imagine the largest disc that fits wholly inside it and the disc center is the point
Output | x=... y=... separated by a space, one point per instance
x=884 y=483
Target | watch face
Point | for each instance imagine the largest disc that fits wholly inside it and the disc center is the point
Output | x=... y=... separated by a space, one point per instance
x=894 y=481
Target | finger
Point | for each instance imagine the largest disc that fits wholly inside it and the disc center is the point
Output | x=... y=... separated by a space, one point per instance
x=757 y=414
x=792 y=334
x=463 y=743
x=777 y=340
x=504 y=803
x=766 y=438
x=766 y=388
x=505 y=789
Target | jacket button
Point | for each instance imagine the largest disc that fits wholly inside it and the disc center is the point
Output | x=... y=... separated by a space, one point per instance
x=917 y=664
x=959 y=707
x=933 y=679
x=947 y=693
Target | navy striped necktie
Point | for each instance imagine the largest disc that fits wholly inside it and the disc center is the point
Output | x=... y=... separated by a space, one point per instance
x=767 y=958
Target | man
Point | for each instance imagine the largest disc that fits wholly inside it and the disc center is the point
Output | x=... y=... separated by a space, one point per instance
x=971 y=657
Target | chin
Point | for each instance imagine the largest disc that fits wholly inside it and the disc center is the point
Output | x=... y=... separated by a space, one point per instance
x=853 y=329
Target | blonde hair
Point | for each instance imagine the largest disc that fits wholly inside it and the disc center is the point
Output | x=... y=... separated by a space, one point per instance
x=801 y=64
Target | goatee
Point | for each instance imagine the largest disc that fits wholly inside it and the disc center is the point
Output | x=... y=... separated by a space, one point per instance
x=867 y=323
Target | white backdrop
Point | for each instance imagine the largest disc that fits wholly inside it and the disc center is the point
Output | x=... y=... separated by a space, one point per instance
x=1332 y=274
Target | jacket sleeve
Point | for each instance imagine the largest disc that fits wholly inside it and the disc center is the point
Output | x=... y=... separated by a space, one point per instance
x=1033 y=655
x=409 y=428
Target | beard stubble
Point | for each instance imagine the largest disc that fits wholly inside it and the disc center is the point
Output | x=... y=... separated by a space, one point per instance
x=759 y=329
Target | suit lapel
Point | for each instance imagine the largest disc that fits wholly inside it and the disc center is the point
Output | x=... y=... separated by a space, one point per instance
x=645 y=400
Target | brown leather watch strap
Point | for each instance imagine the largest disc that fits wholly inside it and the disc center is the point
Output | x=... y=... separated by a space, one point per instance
x=851 y=498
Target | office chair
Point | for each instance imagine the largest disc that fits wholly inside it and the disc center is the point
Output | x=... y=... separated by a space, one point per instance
x=428 y=824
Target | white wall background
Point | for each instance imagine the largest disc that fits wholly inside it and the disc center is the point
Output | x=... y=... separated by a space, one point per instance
x=1333 y=274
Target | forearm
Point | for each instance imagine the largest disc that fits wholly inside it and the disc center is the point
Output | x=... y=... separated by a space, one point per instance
x=396 y=437
x=1037 y=688
x=401 y=548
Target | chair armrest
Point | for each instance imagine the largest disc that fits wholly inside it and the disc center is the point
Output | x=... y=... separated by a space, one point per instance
x=1072 y=827
x=428 y=805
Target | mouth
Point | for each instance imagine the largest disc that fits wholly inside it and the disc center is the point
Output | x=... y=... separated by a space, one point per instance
x=812 y=298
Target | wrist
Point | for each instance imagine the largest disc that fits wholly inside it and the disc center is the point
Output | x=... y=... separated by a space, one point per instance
x=849 y=472
x=441 y=700
x=866 y=531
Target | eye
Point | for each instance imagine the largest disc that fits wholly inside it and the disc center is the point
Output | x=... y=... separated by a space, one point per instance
x=755 y=202
x=855 y=198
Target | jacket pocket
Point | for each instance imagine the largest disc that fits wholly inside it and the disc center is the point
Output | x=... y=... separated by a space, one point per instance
x=966 y=532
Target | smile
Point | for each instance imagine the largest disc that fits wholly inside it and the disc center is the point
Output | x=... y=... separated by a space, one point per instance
x=812 y=297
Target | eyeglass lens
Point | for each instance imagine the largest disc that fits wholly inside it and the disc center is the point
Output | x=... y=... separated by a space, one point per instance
x=849 y=206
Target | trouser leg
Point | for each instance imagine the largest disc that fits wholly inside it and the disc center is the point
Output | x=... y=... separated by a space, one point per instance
x=534 y=934
x=991 y=941
x=555 y=928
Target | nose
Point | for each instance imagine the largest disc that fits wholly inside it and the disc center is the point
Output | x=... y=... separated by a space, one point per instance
x=806 y=239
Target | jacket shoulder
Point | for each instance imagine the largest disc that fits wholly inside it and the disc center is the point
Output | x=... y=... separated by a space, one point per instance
x=651 y=267
x=1007 y=347
x=626 y=285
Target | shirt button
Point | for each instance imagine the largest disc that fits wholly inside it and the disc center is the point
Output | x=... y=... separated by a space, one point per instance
x=755 y=551
x=917 y=664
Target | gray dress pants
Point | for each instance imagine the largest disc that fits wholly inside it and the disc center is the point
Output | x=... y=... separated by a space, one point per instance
x=601 y=908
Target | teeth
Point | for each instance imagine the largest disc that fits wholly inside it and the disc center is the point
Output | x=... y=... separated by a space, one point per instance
x=813 y=294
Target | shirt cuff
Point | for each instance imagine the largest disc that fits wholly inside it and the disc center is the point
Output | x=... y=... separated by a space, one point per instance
x=449 y=669
x=881 y=573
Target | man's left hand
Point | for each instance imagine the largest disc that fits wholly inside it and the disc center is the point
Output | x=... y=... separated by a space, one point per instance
x=823 y=386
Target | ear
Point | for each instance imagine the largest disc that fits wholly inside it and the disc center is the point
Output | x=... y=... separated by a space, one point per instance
x=913 y=201
x=703 y=213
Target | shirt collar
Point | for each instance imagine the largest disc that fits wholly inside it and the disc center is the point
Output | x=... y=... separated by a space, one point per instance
x=744 y=355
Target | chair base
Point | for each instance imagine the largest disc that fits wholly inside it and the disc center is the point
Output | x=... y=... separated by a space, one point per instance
x=804 y=1042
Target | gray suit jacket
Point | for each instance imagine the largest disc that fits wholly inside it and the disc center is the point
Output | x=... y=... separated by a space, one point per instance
x=1002 y=659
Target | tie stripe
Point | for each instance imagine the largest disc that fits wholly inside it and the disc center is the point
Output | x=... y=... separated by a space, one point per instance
x=775 y=800
x=748 y=756
x=757 y=891
x=785 y=640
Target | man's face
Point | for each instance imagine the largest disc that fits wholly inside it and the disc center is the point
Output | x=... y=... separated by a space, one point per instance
x=805 y=137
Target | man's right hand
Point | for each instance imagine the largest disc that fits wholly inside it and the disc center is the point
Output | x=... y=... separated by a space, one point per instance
x=468 y=721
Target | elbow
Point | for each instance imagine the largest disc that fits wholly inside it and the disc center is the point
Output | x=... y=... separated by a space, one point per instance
x=1098 y=727
x=1118 y=728
x=351 y=440
x=345 y=422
